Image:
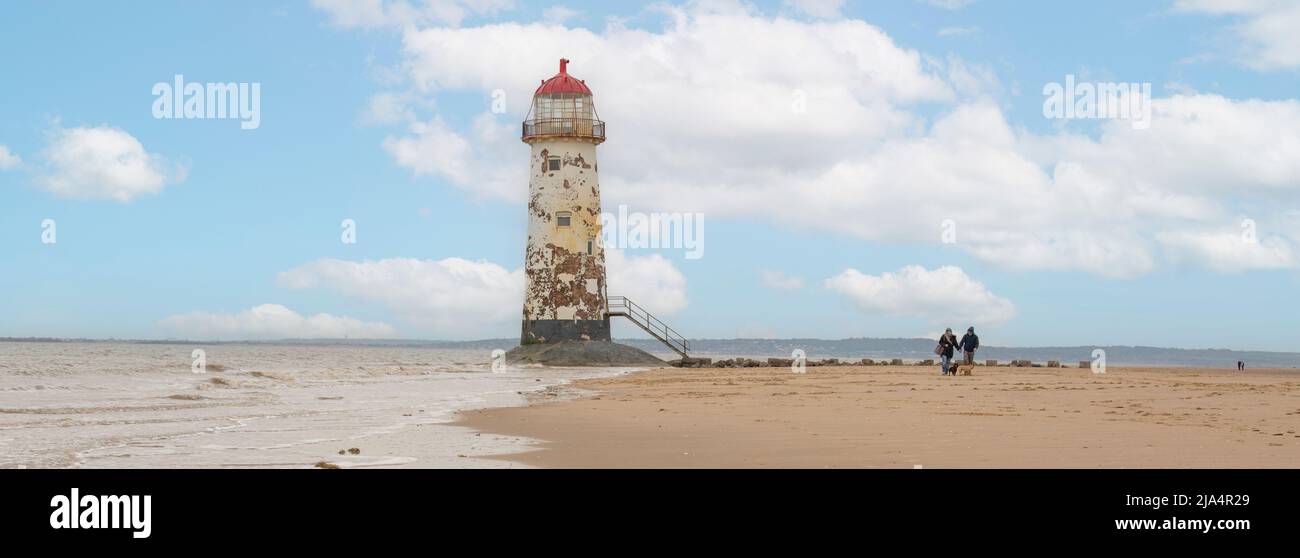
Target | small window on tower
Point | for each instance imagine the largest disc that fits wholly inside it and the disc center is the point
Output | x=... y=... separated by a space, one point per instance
x=591 y=246
x=553 y=164
x=563 y=218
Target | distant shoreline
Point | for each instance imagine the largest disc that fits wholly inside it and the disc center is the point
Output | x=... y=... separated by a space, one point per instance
x=910 y=350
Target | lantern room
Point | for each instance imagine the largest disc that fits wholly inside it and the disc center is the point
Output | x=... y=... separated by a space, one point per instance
x=563 y=108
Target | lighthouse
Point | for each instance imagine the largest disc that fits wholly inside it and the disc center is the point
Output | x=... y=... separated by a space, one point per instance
x=564 y=263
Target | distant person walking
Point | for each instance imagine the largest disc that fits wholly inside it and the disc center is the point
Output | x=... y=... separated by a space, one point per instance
x=946 y=343
x=1241 y=365
x=969 y=343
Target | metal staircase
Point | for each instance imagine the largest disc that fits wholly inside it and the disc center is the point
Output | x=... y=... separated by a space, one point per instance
x=621 y=306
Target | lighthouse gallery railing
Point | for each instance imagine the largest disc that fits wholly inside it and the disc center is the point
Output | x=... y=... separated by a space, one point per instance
x=621 y=306
x=565 y=127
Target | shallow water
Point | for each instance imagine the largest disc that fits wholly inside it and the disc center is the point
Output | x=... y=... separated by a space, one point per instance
x=125 y=405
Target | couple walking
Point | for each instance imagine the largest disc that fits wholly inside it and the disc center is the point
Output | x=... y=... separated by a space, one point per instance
x=948 y=342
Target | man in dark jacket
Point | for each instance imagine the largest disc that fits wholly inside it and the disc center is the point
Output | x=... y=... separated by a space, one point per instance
x=969 y=343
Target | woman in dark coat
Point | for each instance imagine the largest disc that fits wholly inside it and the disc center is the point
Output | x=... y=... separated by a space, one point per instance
x=946 y=343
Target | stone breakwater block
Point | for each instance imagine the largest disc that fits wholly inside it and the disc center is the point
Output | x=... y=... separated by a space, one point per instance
x=990 y=363
x=737 y=363
x=866 y=362
x=1020 y=363
x=896 y=362
x=1085 y=364
x=927 y=362
x=780 y=362
x=1053 y=364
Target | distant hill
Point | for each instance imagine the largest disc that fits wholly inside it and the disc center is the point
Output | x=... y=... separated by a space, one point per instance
x=855 y=348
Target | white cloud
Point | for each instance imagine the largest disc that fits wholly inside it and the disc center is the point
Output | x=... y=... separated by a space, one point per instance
x=8 y=159
x=943 y=295
x=388 y=108
x=456 y=298
x=1228 y=251
x=825 y=9
x=651 y=281
x=103 y=163
x=780 y=281
x=272 y=321
x=1265 y=28
x=404 y=13
x=822 y=116
x=558 y=15
x=849 y=76
x=453 y=298
x=432 y=149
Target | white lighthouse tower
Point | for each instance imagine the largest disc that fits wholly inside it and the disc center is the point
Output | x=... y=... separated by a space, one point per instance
x=565 y=296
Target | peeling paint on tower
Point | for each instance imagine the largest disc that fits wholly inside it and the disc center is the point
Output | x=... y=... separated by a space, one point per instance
x=564 y=261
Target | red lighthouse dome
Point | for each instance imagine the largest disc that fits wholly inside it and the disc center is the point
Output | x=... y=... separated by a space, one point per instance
x=563 y=108
x=563 y=82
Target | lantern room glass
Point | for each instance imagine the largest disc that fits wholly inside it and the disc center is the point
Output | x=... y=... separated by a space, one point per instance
x=564 y=114
x=556 y=106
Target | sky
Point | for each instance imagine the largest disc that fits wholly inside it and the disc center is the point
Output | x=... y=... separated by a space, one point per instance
x=860 y=169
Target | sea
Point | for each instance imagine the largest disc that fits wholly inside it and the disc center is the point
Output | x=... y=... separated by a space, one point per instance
x=158 y=405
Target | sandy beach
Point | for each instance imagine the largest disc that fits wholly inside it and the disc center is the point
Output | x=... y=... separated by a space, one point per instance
x=910 y=416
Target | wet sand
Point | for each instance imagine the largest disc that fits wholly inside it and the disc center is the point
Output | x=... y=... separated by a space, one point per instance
x=909 y=416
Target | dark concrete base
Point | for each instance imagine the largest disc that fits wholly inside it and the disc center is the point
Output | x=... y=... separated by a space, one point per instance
x=581 y=353
x=552 y=331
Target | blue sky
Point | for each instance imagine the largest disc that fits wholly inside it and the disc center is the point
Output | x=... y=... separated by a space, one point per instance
x=916 y=110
